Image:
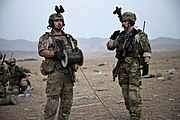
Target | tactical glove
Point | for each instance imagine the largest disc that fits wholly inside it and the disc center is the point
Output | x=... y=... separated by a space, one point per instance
x=59 y=55
x=115 y=34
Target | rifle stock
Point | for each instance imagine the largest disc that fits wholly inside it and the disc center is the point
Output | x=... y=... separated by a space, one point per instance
x=115 y=70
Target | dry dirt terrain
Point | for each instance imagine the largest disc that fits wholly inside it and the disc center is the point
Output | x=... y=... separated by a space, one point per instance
x=161 y=97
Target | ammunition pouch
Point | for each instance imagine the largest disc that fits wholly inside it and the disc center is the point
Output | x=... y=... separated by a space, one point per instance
x=47 y=66
x=119 y=52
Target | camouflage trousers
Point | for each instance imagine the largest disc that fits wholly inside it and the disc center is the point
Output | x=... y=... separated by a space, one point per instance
x=129 y=80
x=14 y=86
x=59 y=90
x=2 y=90
x=8 y=100
x=15 y=89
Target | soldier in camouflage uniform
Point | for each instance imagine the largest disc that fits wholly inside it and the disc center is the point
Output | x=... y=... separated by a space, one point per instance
x=60 y=79
x=4 y=77
x=16 y=76
x=131 y=45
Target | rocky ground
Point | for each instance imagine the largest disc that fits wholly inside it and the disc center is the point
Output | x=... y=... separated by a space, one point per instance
x=160 y=95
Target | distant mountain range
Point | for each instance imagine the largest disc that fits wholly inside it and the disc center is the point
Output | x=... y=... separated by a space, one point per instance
x=165 y=44
x=28 y=49
x=17 y=45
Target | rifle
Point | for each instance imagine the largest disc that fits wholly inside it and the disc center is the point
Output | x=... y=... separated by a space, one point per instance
x=116 y=69
x=4 y=56
x=144 y=25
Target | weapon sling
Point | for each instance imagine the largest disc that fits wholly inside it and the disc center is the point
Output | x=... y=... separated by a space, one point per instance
x=116 y=69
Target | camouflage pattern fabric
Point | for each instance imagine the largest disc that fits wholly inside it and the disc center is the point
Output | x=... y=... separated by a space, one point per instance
x=59 y=86
x=2 y=90
x=129 y=80
x=4 y=78
x=15 y=78
x=137 y=44
x=8 y=100
x=4 y=98
x=128 y=16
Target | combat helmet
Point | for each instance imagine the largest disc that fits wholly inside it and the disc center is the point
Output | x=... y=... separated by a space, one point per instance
x=11 y=61
x=56 y=16
x=128 y=16
x=1 y=55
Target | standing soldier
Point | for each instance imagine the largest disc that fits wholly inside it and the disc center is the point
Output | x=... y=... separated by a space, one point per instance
x=58 y=49
x=4 y=77
x=132 y=46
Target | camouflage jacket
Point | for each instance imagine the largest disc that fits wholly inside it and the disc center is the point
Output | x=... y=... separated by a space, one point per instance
x=137 y=43
x=49 y=41
x=4 y=75
x=16 y=74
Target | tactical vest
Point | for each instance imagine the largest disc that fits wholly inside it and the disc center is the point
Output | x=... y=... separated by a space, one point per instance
x=69 y=42
x=130 y=43
x=16 y=75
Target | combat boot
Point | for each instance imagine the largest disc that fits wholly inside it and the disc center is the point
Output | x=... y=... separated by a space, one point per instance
x=12 y=100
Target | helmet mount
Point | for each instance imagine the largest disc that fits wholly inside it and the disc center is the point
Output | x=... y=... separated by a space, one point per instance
x=125 y=16
x=59 y=9
x=56 y=16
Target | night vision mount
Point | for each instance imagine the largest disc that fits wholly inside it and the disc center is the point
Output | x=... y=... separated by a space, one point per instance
x=118 y=11
x=59 y=9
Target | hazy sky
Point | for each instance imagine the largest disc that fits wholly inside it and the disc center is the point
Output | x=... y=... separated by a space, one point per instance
x=28 y=19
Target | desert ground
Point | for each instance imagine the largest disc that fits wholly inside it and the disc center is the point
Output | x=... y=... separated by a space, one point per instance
x=160 y=94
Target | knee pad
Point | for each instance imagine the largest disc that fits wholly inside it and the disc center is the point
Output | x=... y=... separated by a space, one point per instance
x=133 y=96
